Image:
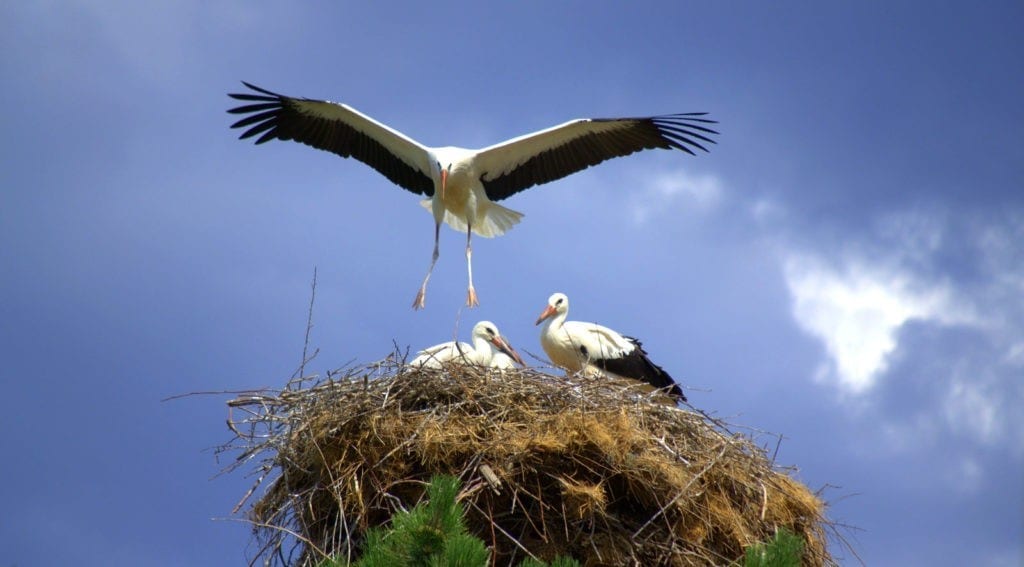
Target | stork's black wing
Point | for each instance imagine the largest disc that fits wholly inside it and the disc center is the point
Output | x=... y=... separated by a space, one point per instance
x=336 y=128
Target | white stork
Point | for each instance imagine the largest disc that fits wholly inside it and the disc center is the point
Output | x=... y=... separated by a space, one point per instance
x=489 y=349
x=597 y=350
x=462 y=184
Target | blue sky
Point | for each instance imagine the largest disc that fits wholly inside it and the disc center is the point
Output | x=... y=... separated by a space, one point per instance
x=845 y=268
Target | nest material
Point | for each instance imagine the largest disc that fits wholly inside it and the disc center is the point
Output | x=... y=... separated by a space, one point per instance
x=549 y=465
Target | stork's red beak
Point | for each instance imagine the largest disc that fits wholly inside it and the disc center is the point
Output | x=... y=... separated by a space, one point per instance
x=548 y=312
x=444 y=182
x=506 y=348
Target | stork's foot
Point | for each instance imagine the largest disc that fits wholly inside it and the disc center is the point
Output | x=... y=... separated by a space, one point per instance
x=421 y=299
x=471 y=300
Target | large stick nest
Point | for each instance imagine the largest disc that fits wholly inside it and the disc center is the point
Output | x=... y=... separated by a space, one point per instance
x=549 y=465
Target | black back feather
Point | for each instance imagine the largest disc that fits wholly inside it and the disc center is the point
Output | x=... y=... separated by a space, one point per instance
x=638 y=366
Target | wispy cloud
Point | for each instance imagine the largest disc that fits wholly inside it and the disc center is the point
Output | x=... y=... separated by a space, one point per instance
x=982 y=402
x=766 y=211
x=971 y=406
x=157 y=42
x=664 y=189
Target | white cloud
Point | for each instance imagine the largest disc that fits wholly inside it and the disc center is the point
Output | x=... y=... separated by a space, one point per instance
x=765 y=211
x=967 y=475
x=917 y=233
x=970 y=406
x=702 y=192
x=858 y=308
x=914 y=433
x=964 y=369
x=703 y=189
x=1015 y=354
x=1008 y=557
x=983 y=403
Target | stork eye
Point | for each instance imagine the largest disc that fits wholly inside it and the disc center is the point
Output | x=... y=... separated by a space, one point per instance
x=559 y=302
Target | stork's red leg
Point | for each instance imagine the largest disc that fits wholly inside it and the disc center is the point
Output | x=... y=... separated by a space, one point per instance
x=471 y=299
x=421 y=295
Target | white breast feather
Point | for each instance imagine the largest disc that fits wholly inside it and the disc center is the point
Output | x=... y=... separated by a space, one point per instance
x=502 y=361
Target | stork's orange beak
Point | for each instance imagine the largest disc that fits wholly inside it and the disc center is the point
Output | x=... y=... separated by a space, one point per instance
x=506 y=348
x=548 y=312
x=444 y=181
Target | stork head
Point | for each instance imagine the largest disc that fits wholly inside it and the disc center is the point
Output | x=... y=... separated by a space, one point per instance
x=489 y=332
x=558 y=304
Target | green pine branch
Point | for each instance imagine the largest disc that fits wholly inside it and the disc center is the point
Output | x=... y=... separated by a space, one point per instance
x=784 y=550
x=432 y=534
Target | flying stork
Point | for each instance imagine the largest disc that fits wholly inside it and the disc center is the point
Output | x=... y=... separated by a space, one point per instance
x=463 y=185
x=597 y=350
x=489 y=349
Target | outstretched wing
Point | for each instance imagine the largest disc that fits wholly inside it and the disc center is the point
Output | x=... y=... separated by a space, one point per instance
x=339 y=129
x=547 y=155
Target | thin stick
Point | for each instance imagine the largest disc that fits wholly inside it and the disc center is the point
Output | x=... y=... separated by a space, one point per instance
x=506 y=534
x=292 y=533
x=764 y=505
x=309 y=327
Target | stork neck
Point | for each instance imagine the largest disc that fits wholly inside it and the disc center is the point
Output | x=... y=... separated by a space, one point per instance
x=482 y=351
x=553 y=323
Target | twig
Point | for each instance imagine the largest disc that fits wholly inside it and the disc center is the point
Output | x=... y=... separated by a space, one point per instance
x=764 y=505
x=292 y=533
x=506 y=534
x=212 y=393
x=309 y=327
x=248 y=493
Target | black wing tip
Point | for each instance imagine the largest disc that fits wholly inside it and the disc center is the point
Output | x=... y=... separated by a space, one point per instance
x=637 y=365
x=671 y=387
x=264 y=96
x=684 y=121
x=693 y=116
x=678 y=130
x=685 y=129
x=667 y=384
x=261 y=114
x=261 y=89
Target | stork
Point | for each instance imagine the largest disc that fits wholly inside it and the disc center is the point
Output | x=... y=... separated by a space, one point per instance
x=489 y=349
x=463 y=185
x=597 y=350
